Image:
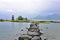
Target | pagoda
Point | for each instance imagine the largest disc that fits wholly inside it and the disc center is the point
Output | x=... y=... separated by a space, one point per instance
x=33 y=33
x=12 y=18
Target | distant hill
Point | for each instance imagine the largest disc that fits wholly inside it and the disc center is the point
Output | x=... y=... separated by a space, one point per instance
x=49 y=17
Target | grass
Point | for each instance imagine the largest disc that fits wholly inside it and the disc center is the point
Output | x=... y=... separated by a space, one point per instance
x=15 y=21
x=30 y=21
x=40 y=22
x=21 y=20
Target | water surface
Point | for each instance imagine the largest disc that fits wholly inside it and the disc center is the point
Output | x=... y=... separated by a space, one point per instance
x=10 y=30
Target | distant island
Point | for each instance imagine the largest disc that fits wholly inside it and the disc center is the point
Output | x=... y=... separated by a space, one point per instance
x=18 y=19
x=22 y=19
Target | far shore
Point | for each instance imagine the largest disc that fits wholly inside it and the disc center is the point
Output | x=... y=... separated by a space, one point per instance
x=29 y=21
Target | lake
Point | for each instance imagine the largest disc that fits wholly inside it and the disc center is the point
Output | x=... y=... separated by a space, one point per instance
x=11 y=30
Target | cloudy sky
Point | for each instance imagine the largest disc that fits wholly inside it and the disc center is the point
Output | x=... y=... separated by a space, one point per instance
x=28 y=8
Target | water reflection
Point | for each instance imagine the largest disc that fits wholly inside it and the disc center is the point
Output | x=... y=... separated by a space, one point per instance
x=12 y=24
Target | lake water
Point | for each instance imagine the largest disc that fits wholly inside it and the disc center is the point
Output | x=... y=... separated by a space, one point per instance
x=11 y=30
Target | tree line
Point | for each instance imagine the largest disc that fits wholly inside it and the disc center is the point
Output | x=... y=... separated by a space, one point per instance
x=21 y=18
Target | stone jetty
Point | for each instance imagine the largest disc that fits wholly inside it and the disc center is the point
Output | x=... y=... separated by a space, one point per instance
x=33 y=33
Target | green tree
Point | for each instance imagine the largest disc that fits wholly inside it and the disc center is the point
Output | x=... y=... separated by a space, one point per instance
x=1 y=19
x=25 y=18
x=20 y=18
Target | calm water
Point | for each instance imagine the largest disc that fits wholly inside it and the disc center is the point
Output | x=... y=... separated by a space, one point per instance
x=10 y=30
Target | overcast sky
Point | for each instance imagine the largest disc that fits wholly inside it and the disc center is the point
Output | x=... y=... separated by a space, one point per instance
x=29 y=8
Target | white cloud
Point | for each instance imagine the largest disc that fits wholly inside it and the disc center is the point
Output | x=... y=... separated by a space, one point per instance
x=28 y=7
x=23 y=5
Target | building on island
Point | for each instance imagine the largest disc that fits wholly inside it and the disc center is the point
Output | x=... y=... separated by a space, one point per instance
x=12 y=18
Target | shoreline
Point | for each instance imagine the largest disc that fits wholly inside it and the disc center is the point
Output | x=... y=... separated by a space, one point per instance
x=29 y=21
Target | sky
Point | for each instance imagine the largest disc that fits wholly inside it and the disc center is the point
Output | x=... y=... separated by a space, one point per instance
x=28 y=8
